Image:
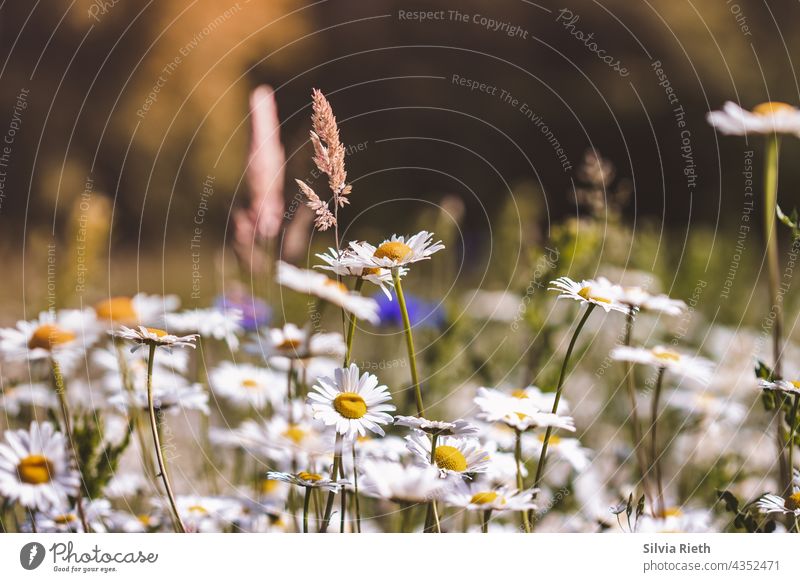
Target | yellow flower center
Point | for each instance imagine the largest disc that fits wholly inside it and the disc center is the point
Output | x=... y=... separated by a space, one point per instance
x=450 y=459
x=198 y=509
x=483 y=498
x=586 y=293
x=117 y=309
x=144 y=519
x=65 y=518
x=554 y=439
x=771 y=108
x=667 y=355
x=519 y=393
x=350 y=405
x=339 y=285
x=295 y=434
x=795 y=383
x=49 y=336
x=157 y=332
x=268 y=486
x=672 y=512
x=793 y=502
x=289 y=344
x=393 y=250
x=371 y=271
x=309 y=476
x=35 y=470
x=249 y=383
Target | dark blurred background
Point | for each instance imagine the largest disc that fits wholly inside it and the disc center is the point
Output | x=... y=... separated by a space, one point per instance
x=85 y=70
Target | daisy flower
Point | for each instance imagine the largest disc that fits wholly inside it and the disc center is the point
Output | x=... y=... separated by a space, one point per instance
x=599 y=292
x=97 y=511
x=770 y=503
x=13 y=398
x=151 y=336
x=388 y=448
x=676 y=520
x=707 y=404
x=208 y=323
x=639 y=298
x=167 y=398
x=247 y=385
x=765 y=118
x=306 y=479
x=568 y=449
x=698 y=369
x=518 y=413
x=293 y=342
x=353 y=404
x=394 y=252
x=35 y=468
x=318 y=285
x=540 y=399
x=454 y=455
x=438 y=427
x=206 y=514
x=398 y=483
x=478 y=497
x=107 y=358
x=141 y=309
x=63 y=335
x=342 y=265
x=786 y=386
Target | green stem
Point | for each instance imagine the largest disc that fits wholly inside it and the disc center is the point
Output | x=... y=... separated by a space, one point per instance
x=306 y=503
x=771 y=158
x=559 y=389
x=771 y=155
x=636 y=427
x=162 y=468
x=487 y=516
x=355 y=487
x=526 y=524
x=432 y=513
x=337 y=460
x=343 y=499
x=61 y=391
x=401 y=300
x=655 y=464
x=792 y=432
x=351 y=328
x=406 y=510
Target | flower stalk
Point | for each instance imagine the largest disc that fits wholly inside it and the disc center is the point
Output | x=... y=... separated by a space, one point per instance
x=401 y=300
x=162 y=468
x=559 y=389
x=526 y=524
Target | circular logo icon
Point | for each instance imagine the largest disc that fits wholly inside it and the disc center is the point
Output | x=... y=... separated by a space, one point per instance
x=31 y=555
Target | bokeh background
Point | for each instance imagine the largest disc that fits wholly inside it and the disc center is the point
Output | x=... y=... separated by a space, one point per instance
x=131 y=106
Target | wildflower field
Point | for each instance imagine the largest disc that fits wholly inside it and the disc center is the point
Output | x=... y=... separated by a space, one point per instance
x=299 y=353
